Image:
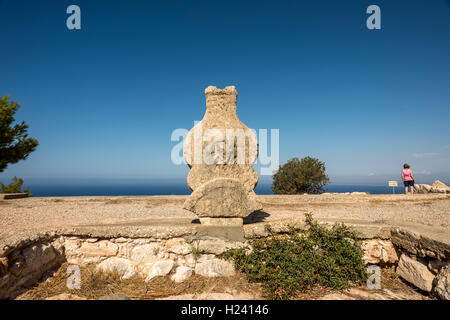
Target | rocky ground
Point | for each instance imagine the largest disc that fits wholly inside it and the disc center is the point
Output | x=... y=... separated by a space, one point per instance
x=24 y=218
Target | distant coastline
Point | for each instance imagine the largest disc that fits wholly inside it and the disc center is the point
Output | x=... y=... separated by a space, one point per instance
x=138 y=189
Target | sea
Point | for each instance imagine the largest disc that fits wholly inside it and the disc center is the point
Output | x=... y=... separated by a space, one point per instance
x=140 y=189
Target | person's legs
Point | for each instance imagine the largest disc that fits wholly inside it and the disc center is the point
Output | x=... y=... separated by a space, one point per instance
x=412 y=189
x=408 y=184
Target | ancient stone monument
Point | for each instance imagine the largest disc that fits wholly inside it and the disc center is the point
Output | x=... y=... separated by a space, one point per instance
x=220 y=151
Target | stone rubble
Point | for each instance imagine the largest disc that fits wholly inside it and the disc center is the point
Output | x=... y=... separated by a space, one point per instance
x=436 y=187
x=415 y=272
x=442 y=284
x=379 y=252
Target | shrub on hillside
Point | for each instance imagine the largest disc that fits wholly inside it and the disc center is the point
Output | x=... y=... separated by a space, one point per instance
x=14 y=187
x=300 y=176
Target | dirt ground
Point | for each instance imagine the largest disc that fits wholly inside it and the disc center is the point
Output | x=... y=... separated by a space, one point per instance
x=95 y=284
x=23 y=218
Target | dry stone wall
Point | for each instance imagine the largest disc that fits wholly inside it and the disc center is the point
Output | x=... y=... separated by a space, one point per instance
x=421 y=261
x=147 y=257
x=24 y=267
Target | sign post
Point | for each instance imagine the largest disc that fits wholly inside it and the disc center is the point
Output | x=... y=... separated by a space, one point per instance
x=393 y=184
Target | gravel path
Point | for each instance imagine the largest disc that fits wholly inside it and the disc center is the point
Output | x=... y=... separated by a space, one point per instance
x=23 y=218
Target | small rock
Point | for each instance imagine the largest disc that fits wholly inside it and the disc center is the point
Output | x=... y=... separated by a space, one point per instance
x=415 y=273
x=215 y=268
x=71 y=246
x=145 y=267
x=146 y=252
x=173 y=243
x=379 y=251
x=181 y=249
x=160 y=268
x=187 y=261
x=120 y=240
x=422 y=188
x=178 y=246
x=439 y=190
x=58 y=245
x=442 y=284
x=122 y=266
x=98 y=249
x=436 y=265
x=439 y=185
x=181 y=274
x=38 y=256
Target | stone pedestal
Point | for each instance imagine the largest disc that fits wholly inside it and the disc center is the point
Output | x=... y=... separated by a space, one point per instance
x=222 y=221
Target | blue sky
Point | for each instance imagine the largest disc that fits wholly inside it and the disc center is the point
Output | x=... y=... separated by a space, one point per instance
x=104 y=100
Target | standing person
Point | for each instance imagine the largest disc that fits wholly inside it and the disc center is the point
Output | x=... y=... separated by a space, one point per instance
x=408 y=178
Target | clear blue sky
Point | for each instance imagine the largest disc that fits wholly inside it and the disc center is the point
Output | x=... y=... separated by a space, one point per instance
x=104 y=100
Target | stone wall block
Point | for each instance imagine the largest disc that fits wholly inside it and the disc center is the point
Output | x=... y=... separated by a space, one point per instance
x=415 y=272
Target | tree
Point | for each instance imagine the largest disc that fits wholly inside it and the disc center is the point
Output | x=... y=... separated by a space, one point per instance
x=14 y=187
x=300 y=176
x=15 y=145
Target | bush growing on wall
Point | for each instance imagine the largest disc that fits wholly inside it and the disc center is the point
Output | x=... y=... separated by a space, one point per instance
x=291 y=263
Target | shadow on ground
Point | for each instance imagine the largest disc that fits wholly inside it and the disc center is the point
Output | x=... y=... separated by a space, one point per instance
x=255 y=217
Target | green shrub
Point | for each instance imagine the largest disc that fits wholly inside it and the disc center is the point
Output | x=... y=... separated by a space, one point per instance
x=291 y=263
x=14 y=187
x=300 y=176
